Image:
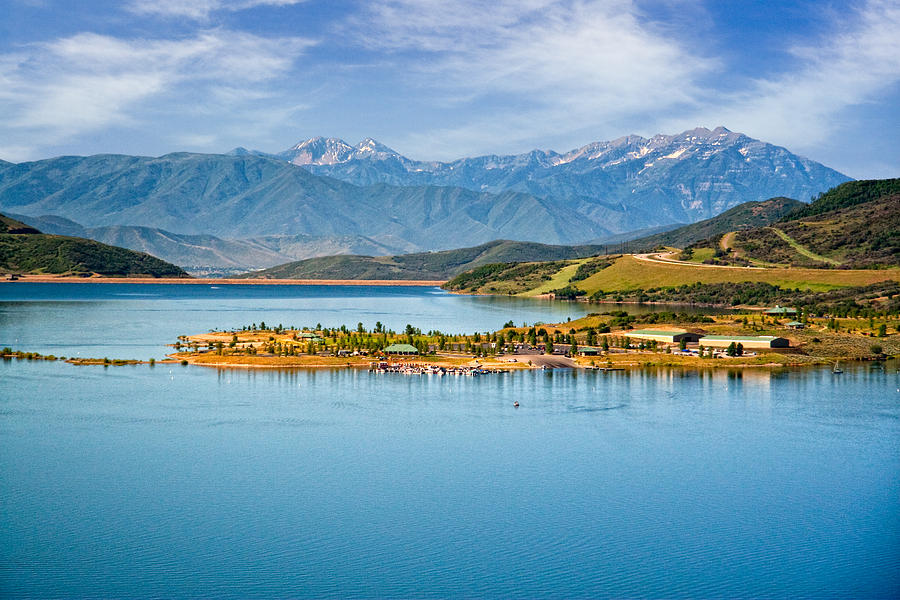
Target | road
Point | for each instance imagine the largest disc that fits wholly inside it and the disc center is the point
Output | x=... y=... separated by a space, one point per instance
x=664 y=258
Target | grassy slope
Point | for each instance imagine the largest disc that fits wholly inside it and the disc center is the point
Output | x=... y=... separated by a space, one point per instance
x=854 y=225
x=8 y=225
x=39 y=253
x=423 y=265
x=803 y=250
x=746 y=215
x=561 y=279
x=630 y=273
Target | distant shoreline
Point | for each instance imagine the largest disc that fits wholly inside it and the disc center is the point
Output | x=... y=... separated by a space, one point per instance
x=213 y=281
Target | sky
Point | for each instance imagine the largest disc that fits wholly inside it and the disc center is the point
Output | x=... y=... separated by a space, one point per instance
x=443 y=79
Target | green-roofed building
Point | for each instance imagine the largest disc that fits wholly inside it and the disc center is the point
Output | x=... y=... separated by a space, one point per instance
x=747 y=341
x=780 y=311
x=588 y=351
x=666 y=336
x=405 y=349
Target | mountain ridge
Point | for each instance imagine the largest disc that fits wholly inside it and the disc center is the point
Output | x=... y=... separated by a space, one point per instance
x=247 y=196
x=629 y=183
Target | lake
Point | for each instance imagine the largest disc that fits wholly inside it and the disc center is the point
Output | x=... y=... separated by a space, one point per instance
x=176 y=481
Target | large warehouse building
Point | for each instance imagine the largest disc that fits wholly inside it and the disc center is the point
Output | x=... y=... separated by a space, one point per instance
x=667 y=336
x=747 y=341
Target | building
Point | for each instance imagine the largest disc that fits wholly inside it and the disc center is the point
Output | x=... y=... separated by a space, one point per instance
x=780 y=311
x=796 y=325
x=666 y=336
x=404 y=349
x=749 y=342
x=588 y=351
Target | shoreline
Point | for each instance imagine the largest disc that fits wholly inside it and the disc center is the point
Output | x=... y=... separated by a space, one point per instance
x=214 y=281
x=267 y=362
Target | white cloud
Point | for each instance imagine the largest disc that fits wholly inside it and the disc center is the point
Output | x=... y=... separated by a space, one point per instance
x=563 y=65
x=53 y=91
x=849 y=67
x=199 y=10
x=510 y=75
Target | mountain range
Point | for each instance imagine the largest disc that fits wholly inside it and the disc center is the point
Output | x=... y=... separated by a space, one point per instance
x=626 y=184
x=249 y=209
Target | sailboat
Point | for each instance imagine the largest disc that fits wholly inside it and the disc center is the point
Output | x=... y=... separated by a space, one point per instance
x=837 y=369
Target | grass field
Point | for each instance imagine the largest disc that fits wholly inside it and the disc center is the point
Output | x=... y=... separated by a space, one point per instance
x=560 y=280
x=630 y=273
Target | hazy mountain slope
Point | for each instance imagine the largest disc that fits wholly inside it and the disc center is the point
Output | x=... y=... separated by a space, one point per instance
x=247 y=196
x=34 y=252
x=743 y=216
x=423 y=265
x=206 y=252
x=626 y=184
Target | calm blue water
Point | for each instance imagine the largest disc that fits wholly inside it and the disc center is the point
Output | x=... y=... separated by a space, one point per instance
x=185 y=481
x=137 y=320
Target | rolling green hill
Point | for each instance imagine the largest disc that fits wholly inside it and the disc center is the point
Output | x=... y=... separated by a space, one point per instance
x=849 y=236
x=423 y=265
x=742 y=216
x=8 y=225
x=855 y=225
x=24 y=249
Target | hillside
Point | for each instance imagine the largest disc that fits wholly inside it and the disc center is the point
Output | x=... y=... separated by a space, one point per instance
x=34 y=252
x=211 y=254
x=625 y=184
x=423 y=265
x=251 y=196
x=855 y=225
x=9 y=225
x=629 y=277
x=743 y=216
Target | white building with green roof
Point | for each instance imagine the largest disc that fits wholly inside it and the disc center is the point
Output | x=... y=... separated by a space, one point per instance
x=667 y=336
x=401 y=349
x=747 y=341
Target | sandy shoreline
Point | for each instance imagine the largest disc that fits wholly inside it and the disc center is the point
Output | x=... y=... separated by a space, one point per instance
x=213 y=281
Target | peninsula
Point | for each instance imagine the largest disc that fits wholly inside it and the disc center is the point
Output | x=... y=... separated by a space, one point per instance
x=777 y=337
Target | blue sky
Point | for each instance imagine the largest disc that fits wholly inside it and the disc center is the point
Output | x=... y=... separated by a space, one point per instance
x=441 y=79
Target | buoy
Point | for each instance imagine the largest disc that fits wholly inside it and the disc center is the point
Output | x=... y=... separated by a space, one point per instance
x=516 y=404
